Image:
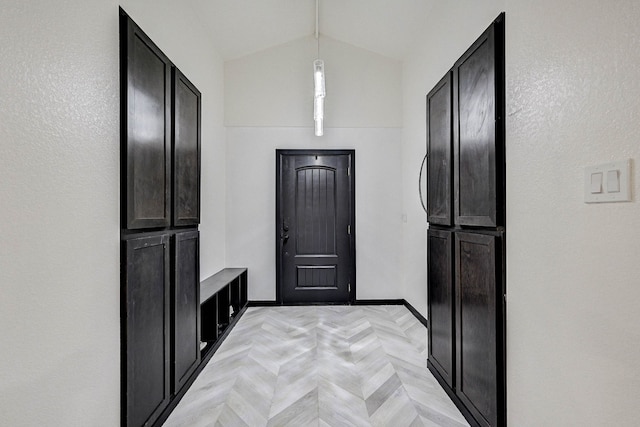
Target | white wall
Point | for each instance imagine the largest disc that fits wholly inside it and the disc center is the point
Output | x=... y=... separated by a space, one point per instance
x=59 y=191
x=275 y=87
x=433 y=55
x=268 y=105
x=573 y=275
x=59 y=187
x=573 y=100
x=251 y=208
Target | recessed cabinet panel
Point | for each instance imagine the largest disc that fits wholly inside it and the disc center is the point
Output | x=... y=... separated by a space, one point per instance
x=478 y=138
x=147 y=123
x=146 y=289
x=439 y=148
x=478 y=316
x=186 y=151
x=441 y=303
x=186 y=307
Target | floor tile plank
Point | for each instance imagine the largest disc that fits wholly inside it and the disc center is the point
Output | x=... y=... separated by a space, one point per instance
x=319 y=366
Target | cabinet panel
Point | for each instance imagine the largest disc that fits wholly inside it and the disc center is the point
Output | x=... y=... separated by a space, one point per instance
x=439 y=148
x=147 y=320
x=146 y=121
x=186 y=151
x=478 y=136
x=479 y=368
x=441 y=303
x=186 y=307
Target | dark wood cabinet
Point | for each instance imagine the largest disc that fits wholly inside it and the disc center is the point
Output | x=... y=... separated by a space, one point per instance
x=466 y=289
x=185 y=343
x=160 y=200
x=146 y=322
x=146 y=127
x=441 y=303
x=439 y=149
x=479 y=319
x=186 y=151
x=478 y=131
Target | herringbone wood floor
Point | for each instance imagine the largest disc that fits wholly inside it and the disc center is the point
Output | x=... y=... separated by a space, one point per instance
x=319 y=366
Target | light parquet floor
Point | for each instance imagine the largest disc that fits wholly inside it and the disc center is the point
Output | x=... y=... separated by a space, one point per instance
x=319 y=366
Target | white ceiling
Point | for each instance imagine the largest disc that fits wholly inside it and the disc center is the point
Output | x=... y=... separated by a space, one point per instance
x=241 y=27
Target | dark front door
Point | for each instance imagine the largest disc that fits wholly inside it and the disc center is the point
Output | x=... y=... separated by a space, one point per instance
x=315 y=226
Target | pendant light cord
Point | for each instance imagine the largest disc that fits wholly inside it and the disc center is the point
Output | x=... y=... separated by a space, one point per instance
x=318 y=28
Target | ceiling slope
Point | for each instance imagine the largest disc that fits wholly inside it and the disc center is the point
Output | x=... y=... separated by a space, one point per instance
x=241 y=27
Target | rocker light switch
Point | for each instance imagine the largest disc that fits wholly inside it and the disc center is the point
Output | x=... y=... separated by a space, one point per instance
x=608 y=182
x=613 y=183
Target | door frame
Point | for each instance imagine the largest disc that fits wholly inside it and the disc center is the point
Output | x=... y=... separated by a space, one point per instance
x=352 y=212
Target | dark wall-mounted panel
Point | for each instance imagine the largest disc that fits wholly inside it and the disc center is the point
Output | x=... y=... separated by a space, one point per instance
x=147 y=319
x=439 y=148
x=186 y=151
x=146 y=126
x=479 y=295
x=185 y=347
x=441 y=303
x=478 y=108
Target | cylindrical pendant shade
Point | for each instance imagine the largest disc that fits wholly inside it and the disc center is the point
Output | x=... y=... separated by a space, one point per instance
x=318 y=96
x=318 y=78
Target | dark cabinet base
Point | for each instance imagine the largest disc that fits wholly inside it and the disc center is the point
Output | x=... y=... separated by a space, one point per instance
x=145 y=328
x=452 y=395
x=223 y=300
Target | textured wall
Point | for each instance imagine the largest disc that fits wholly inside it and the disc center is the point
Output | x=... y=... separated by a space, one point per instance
x=573 y=274
x=59 y=221
x=572 y=269
x=59 y=198
x=251 y=205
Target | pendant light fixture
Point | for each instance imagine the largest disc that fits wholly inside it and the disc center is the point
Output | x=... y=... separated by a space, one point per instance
x=318 y=85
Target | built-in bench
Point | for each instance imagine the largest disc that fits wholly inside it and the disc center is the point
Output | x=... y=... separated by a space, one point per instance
x=222 y=297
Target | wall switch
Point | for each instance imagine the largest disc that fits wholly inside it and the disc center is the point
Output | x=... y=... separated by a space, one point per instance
x=608 y=182
x=613 y=181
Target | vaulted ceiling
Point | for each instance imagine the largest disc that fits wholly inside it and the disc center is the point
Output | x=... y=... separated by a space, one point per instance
x=241 y=27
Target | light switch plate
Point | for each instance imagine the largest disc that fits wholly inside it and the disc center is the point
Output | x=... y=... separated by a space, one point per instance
x=611 y=191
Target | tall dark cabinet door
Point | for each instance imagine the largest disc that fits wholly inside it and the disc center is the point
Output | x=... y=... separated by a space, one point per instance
x=478 y=82
x=186 y=151
x=439 y=148
x=441 y=303
x=147 y=319
x=185 y=348
x=146 y=145
x=479 y=319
